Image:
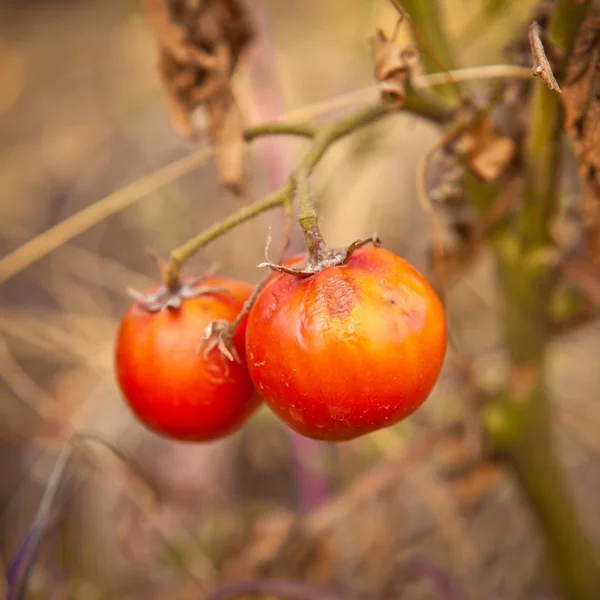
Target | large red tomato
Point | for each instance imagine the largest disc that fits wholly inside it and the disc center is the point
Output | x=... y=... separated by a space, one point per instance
x=168 y=382
x=348 y=350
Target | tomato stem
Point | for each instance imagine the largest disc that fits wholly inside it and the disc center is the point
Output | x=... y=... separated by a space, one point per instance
x=308 y=217
x=219 y=333
x=248 y=304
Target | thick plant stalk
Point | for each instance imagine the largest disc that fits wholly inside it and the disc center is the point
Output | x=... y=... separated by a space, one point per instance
x=520 y=425
x=522 y=431
x=437 y=55
x=519 y=420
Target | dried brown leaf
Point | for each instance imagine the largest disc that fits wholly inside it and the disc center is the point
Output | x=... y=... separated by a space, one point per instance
x=584 y=278
x=174 y=82
x=199 y=46
x=582 y=104
x=172 y=36
x=485 y=151
x=227 y=133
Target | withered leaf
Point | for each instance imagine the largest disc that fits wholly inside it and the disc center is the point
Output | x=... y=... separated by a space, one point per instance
x=485 y=151
x=585 y=278
x=225 y=127
x=392 y=68
x=199 y=46
x=581 y=95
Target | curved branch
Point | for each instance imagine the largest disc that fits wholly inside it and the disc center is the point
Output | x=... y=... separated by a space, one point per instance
x=183 y=253
x=325 y=137
x=280 y=128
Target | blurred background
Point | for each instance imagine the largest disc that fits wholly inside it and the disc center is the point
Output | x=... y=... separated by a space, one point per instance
x=82 y=115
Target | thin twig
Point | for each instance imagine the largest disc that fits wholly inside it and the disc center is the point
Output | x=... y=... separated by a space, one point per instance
x=472 y=74
x=181 y=254
x=418 y=82
x=281 y=128
x=85 y=264
x=249 y=302
x=27 y=554
x=66 y=230
x=19 y=572
x=144 y=496
x=32 y=251
x=541 y=67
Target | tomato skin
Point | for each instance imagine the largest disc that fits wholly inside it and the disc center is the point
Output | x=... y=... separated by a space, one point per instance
x=349 y=350
x=169 y=385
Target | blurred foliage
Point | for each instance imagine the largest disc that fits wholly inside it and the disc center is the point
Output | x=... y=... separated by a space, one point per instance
x=81 y=115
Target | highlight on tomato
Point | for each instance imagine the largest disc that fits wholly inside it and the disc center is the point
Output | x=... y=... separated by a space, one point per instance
x=172 y=386
x=350 y=349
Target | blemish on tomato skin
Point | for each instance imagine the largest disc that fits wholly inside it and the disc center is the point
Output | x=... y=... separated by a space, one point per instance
x=337 y=294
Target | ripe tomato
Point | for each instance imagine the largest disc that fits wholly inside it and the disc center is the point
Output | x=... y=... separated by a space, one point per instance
x=167 y=381
x=349 y=350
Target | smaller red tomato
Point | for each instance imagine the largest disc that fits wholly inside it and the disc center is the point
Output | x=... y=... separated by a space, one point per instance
x=351 y=349
x=168 y=382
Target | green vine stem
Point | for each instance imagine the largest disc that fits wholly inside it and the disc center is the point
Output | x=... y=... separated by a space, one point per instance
x=436 y=52
x=424 y=104
x=307 y=130
x=308 y=217
x=322 y=139
x=180 y=255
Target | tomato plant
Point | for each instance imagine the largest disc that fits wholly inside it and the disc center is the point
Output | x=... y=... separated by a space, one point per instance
x=171 y=385
x=350 y=349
